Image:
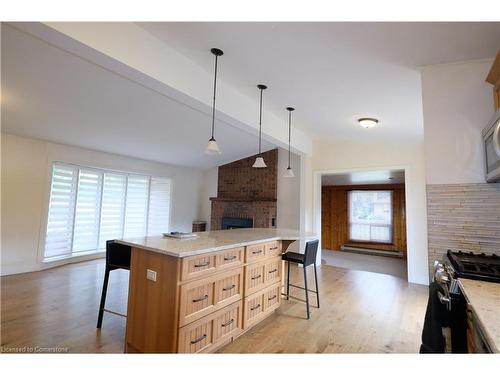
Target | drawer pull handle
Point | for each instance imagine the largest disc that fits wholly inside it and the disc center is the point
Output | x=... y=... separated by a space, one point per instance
x=271 y=298
x=256 y=252
x=255 y=277
x=201 y=338
x=230 y=257
x=273 y=270
x=274 y=248
x=201 y=298
x=202 y=264
x=255 y=307
x=228 y=288
x=228 y=323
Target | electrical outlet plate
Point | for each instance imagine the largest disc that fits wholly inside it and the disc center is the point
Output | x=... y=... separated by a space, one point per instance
x=151 y=275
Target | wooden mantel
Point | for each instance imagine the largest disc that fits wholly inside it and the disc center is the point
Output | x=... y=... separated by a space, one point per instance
x=217 y=199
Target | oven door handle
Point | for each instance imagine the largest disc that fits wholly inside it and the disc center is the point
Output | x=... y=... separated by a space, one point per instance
x=445 y=300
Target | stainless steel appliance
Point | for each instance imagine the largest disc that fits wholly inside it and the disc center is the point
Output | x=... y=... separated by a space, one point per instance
x=491 y=140
x=447 y=271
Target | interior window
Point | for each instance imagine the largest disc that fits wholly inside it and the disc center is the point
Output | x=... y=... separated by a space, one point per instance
x=370 y=215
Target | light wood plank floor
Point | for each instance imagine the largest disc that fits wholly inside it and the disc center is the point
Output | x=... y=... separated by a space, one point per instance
x=361 y=312
x=366 y=262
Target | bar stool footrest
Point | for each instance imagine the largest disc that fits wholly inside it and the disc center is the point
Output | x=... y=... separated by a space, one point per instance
x=301 y=287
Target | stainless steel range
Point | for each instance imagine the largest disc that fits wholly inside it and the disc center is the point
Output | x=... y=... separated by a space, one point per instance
x=452 y=316
x=467 y=265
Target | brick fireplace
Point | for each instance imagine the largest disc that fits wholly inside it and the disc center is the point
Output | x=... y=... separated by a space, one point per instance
x=244 y=192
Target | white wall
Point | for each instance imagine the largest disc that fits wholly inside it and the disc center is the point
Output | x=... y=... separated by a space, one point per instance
x=208 y=190
x=348 y=156
x=288 y=196
x=288 y=192
x=457 y=105
x=25 y=188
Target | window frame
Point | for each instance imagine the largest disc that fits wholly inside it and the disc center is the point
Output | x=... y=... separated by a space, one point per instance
x=391 y=226
x=96 y=253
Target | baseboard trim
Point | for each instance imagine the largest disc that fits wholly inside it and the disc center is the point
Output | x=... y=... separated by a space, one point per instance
x=362 y=250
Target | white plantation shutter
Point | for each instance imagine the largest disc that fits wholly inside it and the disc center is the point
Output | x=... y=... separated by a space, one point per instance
x=112 y=208
x=58 y=240
x=136 y=211
x=88 y=205
x=159 y=206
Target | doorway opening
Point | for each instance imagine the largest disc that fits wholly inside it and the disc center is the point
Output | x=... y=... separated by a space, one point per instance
x=363 y=221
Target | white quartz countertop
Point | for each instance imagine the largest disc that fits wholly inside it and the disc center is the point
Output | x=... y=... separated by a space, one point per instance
x=484 y=298
x=214 y=240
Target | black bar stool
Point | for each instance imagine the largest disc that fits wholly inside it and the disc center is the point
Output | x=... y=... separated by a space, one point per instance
x=306 y=259
x=117 y=257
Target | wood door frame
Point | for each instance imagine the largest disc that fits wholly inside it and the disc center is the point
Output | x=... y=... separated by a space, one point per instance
x=316 y=217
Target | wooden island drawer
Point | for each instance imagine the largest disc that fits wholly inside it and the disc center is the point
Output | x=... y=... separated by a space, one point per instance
x=198 y=266
x=195 y=337
x=272 y=297
x=273 y=270
x=253 y=309
x=201 y=297
x=254 y=253
x=230 y=258
x=212 y=329
x=272 y=249
x=261 y=304
x=254 y=277
x=228 y=322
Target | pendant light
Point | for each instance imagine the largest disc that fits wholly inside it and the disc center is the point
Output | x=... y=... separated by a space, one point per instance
x=259 y=160
x=289 y=172
x=212 y=147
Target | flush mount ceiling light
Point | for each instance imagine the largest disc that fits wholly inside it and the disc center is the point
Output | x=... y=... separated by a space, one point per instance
x=368 y=122
x=259 y=160
x=289 y=172
x=212 y=147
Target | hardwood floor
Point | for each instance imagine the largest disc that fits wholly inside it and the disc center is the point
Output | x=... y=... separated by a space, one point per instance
x=361 y=312
x=366 y=262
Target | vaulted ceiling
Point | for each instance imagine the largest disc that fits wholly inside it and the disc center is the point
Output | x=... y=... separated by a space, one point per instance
x=335 y=72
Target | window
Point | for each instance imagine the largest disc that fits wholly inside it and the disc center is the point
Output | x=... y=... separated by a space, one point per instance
x=370 y=216
x=89 y=206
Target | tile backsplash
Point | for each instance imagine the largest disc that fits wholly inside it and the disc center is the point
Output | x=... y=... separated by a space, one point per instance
x=463 y=217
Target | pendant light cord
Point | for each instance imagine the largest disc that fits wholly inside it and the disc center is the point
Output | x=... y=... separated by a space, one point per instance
x=215 y=90
x=260 y=121
x=289 y=135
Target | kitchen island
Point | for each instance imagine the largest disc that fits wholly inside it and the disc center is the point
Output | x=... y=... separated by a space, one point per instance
x=196 y=295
